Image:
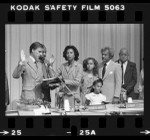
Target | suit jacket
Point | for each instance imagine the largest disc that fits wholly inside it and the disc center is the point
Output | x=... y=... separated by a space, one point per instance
x=31 y=79
x=111 y=81
x=71 y=76
x=47 y=73
x=130 y=77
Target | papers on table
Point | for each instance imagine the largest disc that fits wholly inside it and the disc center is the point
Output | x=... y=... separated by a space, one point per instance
x=42 y=110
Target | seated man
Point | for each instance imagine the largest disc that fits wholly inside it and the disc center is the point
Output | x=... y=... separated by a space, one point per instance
x=129 y=73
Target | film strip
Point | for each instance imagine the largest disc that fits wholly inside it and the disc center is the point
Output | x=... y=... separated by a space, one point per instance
x=118 y=14
x=73 y=125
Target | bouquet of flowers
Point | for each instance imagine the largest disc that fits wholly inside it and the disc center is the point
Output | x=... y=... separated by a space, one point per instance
x=30 y=104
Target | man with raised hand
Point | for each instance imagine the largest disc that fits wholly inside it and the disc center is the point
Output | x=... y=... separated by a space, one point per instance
x=31 y=72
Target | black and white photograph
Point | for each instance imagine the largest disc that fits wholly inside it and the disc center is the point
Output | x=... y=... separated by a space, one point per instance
x=74 y=69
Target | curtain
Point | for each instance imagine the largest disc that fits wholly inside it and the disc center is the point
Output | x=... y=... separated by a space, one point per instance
x=88 y=38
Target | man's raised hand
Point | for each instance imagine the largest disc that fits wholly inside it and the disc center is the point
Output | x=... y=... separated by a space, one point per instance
x=23 y=58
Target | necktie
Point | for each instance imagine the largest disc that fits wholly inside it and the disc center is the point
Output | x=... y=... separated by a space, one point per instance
x=36 y=64
x=122 y=72
x=104 y=70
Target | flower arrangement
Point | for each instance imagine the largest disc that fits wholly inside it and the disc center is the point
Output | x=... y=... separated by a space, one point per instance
x=30 y=104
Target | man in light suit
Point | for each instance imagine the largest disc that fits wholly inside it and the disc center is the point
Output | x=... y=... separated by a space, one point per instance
x=129 y=72
x=31 y=72
x=47 y=73
x=110 y=73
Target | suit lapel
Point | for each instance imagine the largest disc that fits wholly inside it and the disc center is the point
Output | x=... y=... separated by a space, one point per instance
x=100 y=69
x=32 y=65
x=66 y=68
x=100 y=72
x=39 y=71
x=70 y=70
x=127 y=68
x=73 y=67
x=108 y=69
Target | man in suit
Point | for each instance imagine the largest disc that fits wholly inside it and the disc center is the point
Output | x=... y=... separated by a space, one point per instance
x=129 y=72
x=110 y=73
x=31 y=72
x=47 y=73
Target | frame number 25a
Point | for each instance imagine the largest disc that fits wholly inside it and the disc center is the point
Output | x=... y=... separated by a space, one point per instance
x=87 y=132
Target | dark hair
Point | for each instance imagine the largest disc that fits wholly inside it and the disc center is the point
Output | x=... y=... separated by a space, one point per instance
x=95 y=69
x=76 y=53
x=44 y=47
x=35 y=45
x=95 y=82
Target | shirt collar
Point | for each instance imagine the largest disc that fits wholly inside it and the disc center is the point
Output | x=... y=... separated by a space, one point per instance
x=126 y=62
x=123 y=63
x=73 y=64
x=32 y=59
x=108 y=62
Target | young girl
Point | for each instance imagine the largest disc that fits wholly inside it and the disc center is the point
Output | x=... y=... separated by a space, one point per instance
x=95 y=97
x=90 y=74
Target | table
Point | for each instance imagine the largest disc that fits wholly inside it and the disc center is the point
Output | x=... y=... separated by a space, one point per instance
x=111 y=109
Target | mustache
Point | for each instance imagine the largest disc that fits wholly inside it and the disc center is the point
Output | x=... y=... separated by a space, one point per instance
x=41 y=58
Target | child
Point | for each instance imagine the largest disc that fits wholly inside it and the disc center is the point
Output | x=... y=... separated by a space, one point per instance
x=90 y=74
x=95 y=97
